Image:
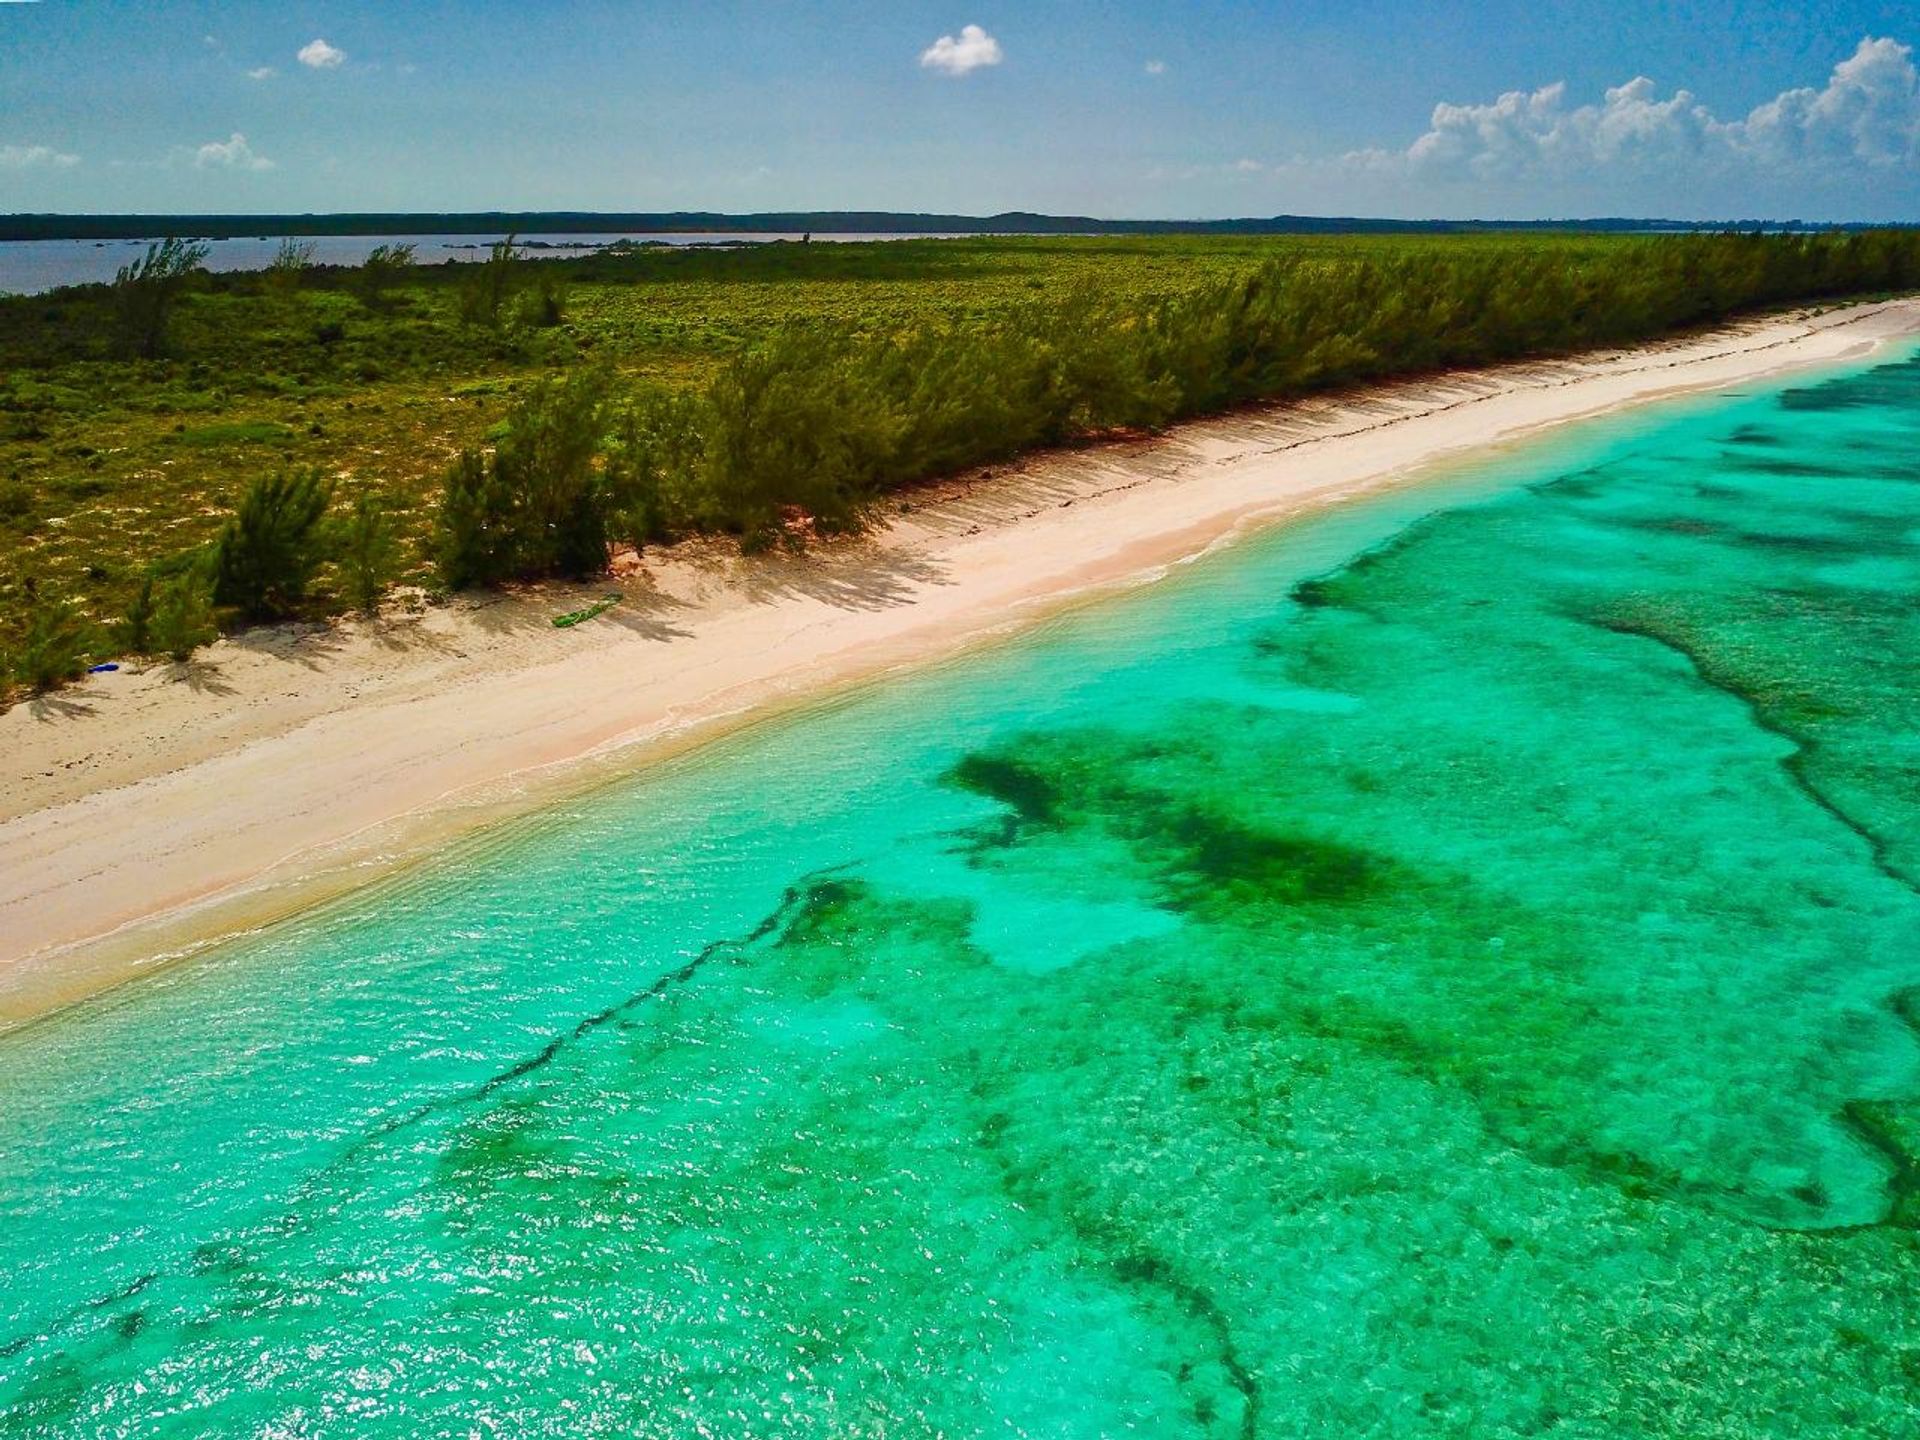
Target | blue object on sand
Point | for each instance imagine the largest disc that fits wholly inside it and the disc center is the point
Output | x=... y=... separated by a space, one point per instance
x=101 y=669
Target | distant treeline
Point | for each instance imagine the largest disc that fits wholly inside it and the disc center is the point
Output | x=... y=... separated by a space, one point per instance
x=825 y=222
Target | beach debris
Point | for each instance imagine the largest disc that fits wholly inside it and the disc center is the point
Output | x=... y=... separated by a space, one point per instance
x=599 y=607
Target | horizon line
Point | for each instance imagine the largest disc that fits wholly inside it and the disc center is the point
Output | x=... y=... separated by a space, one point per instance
x=86 y=225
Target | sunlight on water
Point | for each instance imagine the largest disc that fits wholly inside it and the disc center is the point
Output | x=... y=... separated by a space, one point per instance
x=1405 y=976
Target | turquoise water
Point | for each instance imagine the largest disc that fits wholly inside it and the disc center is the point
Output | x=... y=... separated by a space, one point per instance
x=1415 y=974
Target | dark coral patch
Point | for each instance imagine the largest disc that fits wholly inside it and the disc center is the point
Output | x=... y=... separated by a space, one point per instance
x=1019 y=786
x=1315 y=594
x=1808 y=469
x=1206 y=856
x=821 y=907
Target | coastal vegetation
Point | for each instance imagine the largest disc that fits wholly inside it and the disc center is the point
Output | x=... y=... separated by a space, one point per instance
x=186 y=448
x=145 y=291
x=265 y=560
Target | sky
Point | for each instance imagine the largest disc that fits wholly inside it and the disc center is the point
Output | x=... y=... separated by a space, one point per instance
x=1721 y=109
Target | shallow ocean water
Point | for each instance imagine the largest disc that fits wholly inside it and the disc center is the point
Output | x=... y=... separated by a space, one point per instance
x=1449 y=968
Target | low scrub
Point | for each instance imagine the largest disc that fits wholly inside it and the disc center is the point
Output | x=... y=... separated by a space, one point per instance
x=368 y=555
x=808 y=431
x=488 y=287
x=385 y=267
x=58 y=643
x=538 y=503
x=146 y=290
x=266 y=558
x=819 y=424
x=771 y=393
x=183 y=617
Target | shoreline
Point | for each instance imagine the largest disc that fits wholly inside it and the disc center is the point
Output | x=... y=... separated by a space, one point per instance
x=149 y=814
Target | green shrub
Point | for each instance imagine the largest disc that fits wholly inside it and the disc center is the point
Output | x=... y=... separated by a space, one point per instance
x=384 y=267
x=538 y=505
x=56 y=646
x=171 y=613
x=145 y=291
x=136 y=626
x=183 y=615
x=368 y=553
x=289 y=265
x=544 y=305
x=654 y=454
x=547 y=455
x=799 y=425
x=18 y=501
x=238 y=432
x=266 y=557
x=476 y=532
x=489 y=285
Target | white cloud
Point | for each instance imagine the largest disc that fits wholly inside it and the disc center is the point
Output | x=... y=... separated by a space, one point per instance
x=1522 y=133
x=262 y=72
x=1156 y=67
x=35 y=157
x=972 y=49
x=319 y=55
x=1227 y=169
x=233 y=153
x=1869 y=110
x=1868 y=114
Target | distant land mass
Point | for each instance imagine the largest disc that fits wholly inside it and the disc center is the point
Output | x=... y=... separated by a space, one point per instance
x=825 y=222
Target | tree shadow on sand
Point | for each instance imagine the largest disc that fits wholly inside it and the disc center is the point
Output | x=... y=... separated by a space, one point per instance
x=57 y=706
x=306 y=643
x=861 y=576
x=641 y=610
x=200 y=676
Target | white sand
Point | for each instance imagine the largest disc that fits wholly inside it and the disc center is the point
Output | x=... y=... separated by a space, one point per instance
x=143 y=814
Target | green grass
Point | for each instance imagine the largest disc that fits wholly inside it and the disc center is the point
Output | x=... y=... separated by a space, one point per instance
x=108 y=465
x=244 y=432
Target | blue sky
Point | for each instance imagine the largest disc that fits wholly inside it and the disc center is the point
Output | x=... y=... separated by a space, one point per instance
x=1130 y=107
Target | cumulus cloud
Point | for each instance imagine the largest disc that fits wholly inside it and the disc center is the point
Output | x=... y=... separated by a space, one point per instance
x=962 y=55
x=261 y=72
x=233 y=153
x=317 y=54
x=1868 y=114
x=1156 y=67
x=35 y=157
x=1869 y=111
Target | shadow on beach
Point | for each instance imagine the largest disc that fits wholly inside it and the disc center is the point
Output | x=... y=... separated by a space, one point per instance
x=852 y=575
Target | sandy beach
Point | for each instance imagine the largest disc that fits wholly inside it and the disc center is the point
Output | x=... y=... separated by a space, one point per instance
x=149 y=812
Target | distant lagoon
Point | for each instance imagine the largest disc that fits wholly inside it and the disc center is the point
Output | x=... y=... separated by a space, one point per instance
x=31 y=267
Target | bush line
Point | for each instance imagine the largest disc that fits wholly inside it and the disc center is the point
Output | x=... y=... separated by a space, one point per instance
x=809 y=432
